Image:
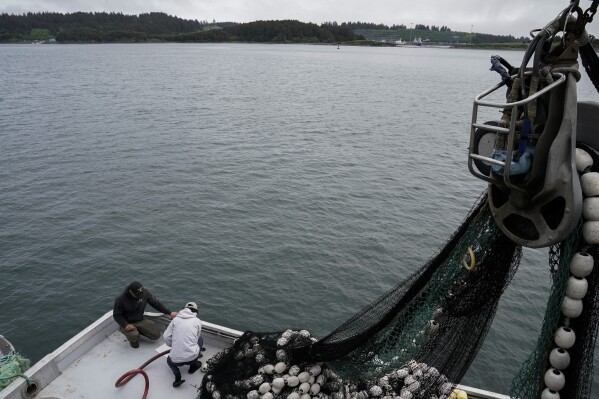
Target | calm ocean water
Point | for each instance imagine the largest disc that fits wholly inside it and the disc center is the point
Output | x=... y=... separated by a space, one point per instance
x=279 y=186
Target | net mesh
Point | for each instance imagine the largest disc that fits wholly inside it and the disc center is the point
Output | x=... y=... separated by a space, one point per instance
x=11 y=367
x=416 y=340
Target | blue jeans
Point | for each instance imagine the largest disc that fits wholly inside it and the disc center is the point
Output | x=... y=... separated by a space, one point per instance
x=175 y=366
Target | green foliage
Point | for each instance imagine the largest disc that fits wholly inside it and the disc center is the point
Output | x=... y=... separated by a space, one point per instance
x=289 y=31
x=118 y=27
x=39 y=34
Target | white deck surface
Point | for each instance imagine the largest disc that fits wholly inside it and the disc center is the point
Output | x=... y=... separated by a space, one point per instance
x=94 y=375
x=89 y=365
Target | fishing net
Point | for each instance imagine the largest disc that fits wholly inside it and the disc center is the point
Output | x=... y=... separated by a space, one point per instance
x=11 y=367
x=416 y=340
x=529 y=382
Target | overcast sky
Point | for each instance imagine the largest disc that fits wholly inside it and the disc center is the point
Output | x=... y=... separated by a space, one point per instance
x=505 y=17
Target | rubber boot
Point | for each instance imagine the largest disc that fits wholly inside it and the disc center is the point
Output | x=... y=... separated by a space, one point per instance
x=178 y=380
x=195 y=367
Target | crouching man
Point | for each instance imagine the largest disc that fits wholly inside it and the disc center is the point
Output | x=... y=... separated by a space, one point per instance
x=129 y=310
x=184 y=336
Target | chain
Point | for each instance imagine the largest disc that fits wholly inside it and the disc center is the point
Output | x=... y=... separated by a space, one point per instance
x=590 y=12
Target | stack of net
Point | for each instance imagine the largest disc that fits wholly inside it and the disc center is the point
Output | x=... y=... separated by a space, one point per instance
x=11 y=367
x=415 y=341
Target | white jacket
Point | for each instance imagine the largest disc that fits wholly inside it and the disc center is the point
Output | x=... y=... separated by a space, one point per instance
x=182 y=336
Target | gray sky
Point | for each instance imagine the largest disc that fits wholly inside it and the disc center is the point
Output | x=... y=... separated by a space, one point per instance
x=505 y=17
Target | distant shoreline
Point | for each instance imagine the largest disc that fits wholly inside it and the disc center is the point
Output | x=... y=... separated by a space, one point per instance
x=363 y=43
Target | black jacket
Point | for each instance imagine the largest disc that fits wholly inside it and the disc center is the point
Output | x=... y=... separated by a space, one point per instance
x=129 y=310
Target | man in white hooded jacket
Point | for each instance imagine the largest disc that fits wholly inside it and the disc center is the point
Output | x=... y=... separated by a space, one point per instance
x=184 y=336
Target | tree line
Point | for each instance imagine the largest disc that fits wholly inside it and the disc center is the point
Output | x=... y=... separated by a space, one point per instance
x=157 y=26
x=368 y=25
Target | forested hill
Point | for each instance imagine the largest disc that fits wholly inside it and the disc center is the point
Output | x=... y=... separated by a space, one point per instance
x=156 y=26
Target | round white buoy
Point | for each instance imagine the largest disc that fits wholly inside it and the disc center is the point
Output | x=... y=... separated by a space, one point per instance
x=584 y=161
x=293 y=381
x=571 y=308
x=294 y=370
x=253 y=394
x=315 y=370
x=265 y=387
x=321 y=379
x=305 y=396
x=554 y=379
x=559 y=358
x=280 y=367
x=304 y=387
x=278 y=383
x=564 y=337
x=577 y=287
x=549 y=394
x=268 y=395
x=315 y=388
x=269 y=368
x=590 y=208
x=304 y=376
x=590 y=184
x=293 y=395
x=590 y=232
x=581 y=264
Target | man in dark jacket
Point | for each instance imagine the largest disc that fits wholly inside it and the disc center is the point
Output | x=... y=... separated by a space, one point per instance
x=129 y=310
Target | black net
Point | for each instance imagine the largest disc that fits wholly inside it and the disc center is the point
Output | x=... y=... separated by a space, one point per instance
x=417 y=340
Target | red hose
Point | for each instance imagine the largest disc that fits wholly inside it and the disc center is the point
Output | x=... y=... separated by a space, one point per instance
x=125 y=378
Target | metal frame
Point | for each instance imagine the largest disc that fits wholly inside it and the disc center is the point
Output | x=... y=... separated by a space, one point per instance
x=559 y=78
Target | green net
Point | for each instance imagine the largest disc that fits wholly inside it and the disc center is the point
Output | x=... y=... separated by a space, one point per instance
x=529 y=380
x=416 y=340
x=11 y=367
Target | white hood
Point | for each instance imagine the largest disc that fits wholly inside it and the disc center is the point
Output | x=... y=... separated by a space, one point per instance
x=182 y=336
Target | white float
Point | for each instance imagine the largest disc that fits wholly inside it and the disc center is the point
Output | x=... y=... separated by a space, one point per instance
x=590 y=184
x=278 y=383
x=304 y=376
x=304 y=387
x=571 y=308
x=590 y=232
x=554 y=379
x=577 y=287
x=265 y=387
x=584 y=161
x=280 y=368
x=559 y=358
x=581 y=264
x=549 y=394
x=565 y=337
x=590 y=208
x=315 y=370
x=315 y=388
x=293 y=381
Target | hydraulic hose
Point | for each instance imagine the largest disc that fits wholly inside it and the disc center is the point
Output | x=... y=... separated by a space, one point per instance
x=125 y=378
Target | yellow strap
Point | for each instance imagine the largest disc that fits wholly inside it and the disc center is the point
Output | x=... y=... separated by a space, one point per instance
x=472 y=264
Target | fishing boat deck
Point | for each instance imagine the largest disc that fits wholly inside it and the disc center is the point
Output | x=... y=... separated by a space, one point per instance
x=89 y=364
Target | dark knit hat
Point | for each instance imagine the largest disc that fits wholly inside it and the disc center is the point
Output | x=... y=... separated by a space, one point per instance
x=134 y=286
